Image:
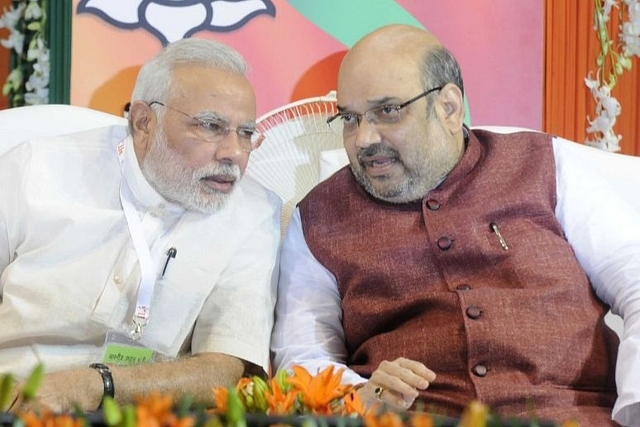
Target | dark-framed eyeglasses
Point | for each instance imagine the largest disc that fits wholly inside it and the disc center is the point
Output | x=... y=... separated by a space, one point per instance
x=215 y=130
x=346 y=123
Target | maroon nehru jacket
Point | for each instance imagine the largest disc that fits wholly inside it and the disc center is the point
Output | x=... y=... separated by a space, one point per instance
x=476 y=281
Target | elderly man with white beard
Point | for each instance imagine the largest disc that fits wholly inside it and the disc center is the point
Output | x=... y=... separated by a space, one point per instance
x=137 y=259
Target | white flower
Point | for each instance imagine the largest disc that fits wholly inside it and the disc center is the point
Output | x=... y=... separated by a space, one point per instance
x=37 y=97
x=15 y=41
x=11 y=17
x=606 y=8
x=33 y=11
x=607 y=107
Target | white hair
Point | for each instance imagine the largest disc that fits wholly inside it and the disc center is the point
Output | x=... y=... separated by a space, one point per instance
x=155 y=77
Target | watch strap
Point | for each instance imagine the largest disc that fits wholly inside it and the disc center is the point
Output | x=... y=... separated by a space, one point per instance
x=107 y=380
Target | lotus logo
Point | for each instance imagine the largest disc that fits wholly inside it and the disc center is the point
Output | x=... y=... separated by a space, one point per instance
x=171 y=20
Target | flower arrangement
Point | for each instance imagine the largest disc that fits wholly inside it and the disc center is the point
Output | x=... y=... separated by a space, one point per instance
x=28 y=81
x=612 y=61
x=296 y=398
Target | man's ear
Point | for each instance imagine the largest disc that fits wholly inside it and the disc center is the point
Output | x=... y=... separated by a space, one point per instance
x=451 y=107
x=140 y=117
x=142 y=121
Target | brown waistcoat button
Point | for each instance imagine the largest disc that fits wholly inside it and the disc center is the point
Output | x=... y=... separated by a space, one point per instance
x=464 y=287
x=433 y=204
x=474 y=312
x=445 y=242
x=480 y=370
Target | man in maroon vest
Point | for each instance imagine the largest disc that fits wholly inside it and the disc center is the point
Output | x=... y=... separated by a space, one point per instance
x=447 y=265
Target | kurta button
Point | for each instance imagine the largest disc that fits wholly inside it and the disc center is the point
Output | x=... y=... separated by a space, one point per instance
x=474 y=312
x=117 y=279
x=445 y=242
x=433 y=204
x=480 y=370
x=463 y=287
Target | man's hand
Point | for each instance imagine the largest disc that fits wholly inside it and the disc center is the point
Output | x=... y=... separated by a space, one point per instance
x=396 y=383
x=60 y=391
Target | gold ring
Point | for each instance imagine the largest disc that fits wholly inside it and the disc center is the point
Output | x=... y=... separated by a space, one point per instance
x=378 y=392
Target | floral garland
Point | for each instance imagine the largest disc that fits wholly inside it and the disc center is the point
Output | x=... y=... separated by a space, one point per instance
x=612 y=61
x=28 y=81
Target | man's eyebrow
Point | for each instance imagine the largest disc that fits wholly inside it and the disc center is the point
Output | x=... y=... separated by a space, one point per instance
x=251 y=124
x=217 y=117
x=210 y=115
x=374 y=103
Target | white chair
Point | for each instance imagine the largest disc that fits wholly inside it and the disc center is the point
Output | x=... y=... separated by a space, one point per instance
x=34 y=121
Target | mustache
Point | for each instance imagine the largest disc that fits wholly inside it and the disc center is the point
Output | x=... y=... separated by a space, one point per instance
x=222 y=170
x=377 y=149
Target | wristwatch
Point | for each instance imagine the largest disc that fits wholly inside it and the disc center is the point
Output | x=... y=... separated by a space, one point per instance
x=107 y=380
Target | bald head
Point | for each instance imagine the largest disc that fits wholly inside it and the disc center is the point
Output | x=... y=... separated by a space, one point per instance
x=401 y=52
x=402 y=39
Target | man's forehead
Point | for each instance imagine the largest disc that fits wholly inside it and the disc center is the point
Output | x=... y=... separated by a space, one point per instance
x=365 y=87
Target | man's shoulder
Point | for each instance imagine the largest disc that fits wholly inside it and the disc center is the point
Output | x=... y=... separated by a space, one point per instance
x=510 y=133
x=103 y=138
x=253 y=192
x=334 y=184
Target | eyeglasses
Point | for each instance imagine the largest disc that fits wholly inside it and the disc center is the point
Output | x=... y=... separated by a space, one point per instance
x=215 y=130
x=346 y=124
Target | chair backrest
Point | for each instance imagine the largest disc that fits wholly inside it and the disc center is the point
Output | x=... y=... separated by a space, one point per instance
x=34 y=121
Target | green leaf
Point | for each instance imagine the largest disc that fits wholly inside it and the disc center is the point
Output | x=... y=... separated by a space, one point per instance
x=6 y=391
x=281 y=379
x=213 y=421
x=33 y=383
x=111 y=411
x=129 y=413
x=184 y=405
x=34 y=26
x=235 y=410
x=259 y=389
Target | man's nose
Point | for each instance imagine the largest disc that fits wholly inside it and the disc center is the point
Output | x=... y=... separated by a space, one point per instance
x=367 y=133
x=231 y=147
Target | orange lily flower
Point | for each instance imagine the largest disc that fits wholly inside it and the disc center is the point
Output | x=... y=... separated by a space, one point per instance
x=220 y=399
x=279 y=402
x=421 y=419
x=353 y=404
x=318 y=391
x=49 y=419
x=388 y=419
x=156 y=410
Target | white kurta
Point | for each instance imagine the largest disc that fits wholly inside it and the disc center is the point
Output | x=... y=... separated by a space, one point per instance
x=70 y=271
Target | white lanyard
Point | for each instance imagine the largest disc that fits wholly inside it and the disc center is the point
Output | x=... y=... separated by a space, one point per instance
x=148 y=268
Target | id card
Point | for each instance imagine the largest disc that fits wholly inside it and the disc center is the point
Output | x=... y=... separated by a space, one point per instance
x=119 y=349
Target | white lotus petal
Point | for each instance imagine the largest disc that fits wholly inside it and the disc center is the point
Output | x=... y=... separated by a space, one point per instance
x=228 y=13
x=124 y=11
x=173 y=22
